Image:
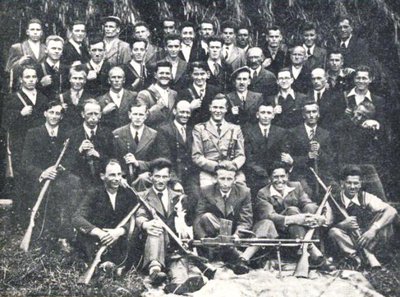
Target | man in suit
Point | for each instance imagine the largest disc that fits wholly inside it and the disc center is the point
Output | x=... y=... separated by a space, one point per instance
x=115 y=103
x=243 y=103
x=287 y=103
x=340 y=79
x=136 y=72
x=99 y=213
x=199 y=93
x=275 y=52
x=262 y=80
x=233 y=55
x=206 y=30
x=42 y=148
x=300 y=71
x=117 y=52
x=52 y=74
x=160 y=252
x=217 y=140
x=159 y=98
x=316 y=56
x=142 y=31
x=75 y=50
x=98 y=68
x=190 y=49
x=133 y=144
x=286 y=204
x=243 y=37
x=91 y=144
x=264 y=143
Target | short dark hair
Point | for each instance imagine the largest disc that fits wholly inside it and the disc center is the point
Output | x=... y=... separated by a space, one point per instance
x=168 y=19
x=197 y=64
x=172 y=37
x=278 y=165
x=335 y=51
x=35 y=21
x=284 y=69
x=214 y=39
x=187 y=24
x=76 y=22
x=308 y=101
x=274 y=28
x=344 y=18
x=309 y=26
x=364 y=68
x=228 y=24
x=219 y=96
x=104 y=164
x=77 y=68
x=95 y=38
x=53 y=103
x=135 y=40
x=162 y=64
x=138 y=24
x=370 y=108
x=207 y=21
x=350 y=170
x=24 y=67
x=160 y=163
x=135 y=103
x=226 y=166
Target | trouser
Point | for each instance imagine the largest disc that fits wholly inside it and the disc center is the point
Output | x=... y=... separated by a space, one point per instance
x=180 y=269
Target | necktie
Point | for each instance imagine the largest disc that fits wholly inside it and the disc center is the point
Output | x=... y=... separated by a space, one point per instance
x=243 y=102
x=52 y=133
x=219 y=128
x=55 y=68
x=343 y=45
x=266 y=133
x=137 y=139
x=160 y=196
x=312 y=134
x=202 y=94
x=183 y=133
x=255 y=74
x=91 y=134
x=226 y=52
x=216 y=69
x=318 y=97
x=309 y=52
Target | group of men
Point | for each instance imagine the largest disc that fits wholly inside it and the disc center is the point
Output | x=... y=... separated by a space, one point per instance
x=236 y=128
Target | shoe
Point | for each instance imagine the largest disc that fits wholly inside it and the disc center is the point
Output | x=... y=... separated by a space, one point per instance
x=240 y=267
x=192 y=284
x=157 y=278
x=322 y=264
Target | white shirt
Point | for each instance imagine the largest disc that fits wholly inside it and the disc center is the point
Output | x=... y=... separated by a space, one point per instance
x=186 y=50
x=296 y=71
x=75 y=96
x=182 y=129
x=110 y=45
x=53 y=65
x=200 y=91
x=286 y=191
x=359 y=98
x=321 y=92
x=212 y=63
x=53 y=131
x=96 y=67
x=136 y=66
x=242 y=96
x=225 y=194
x=204 y=45
x=255 y=71
x=309 y=129
x=309 y=49
x=30 y=94
x=139 y=131
x=263 y=128
x=164 y=93
x=35 y=47
x=228 y=50
x=117 y=97
x=284 y=95
x=174 y=68
x=346 y=43
x=112 y=197
x=88 y=130
x=164 y=198
x=77 y=46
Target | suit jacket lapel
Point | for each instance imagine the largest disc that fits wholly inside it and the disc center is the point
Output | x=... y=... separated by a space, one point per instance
x=144 y=139
x=250 y=100
x=155 y=202
x=27 y=50
x=230 y=203
x=180 y=69
x=218 y=200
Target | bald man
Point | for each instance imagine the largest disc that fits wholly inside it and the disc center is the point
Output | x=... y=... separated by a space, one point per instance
x=300 y=71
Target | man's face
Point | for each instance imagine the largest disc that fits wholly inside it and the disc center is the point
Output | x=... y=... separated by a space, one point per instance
x=285 y=80
x=318 y=79
x=91 y=114
x=279 y=179
x=173 y=47
x=215 y=49
x=298 y=56
x=187 y=35
x=362 y=80
x=53 y=115
x=34 y=32
x=160 y=178
x=311 y=114
x=116 y=78
x=360 y=115
x=345 y=29
x=335 y=62
x=309 y=37
x=218 y=109
x=54 y=50
x=229 y=35
x=199 y=76
x=112 y=176
x=206 y=30
x=182 y=113
x=111 y=29
x=77 y=80
x=97 y=52
x=351 y=185
x=265 y=114
x=242 y=81
x=254 y=58
x=78 y=33
x=242 y=37
x=142 y=32
x=29 y=79
x=168 y=27
x=138 y=116
x=225 y=179
x=138 y=51
x=163 y=76
x=274 y=38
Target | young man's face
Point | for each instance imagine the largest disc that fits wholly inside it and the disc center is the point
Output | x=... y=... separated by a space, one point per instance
x=228 y=35
x=29 y=79
x=298 y=56
x=335 y=62
x=215 y=49
x=97 y=52
x=78 y=33
x=160 y=178
x=218 y=109
x=362 y=80
x=351 y=185
x=116 y=78
x=225 y=179
x=285 y=80
x=138 y=115
x=345 y=29
x=142 y=32
x=53 y=115
x=274 y=38
x=138 y=51
x=279 y=179
x=318 y=79
x=112 y=176
x=111 y=29
x=168 y=27
x=163 y=76
x=173 y=47
x=199 y=76
x=34 y=32
x=309 y=37
x=265 y=114
x=242 y=37
x=242 y=81
x=187 y=35
x=91 y=114
x=311 y=114
x=77 y=80
x=206 y=30
x=54 y=50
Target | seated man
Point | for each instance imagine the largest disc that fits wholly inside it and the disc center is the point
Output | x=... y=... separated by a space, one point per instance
x=286 y=204
x=99 y=213
x=367 y=213
x=160 y=251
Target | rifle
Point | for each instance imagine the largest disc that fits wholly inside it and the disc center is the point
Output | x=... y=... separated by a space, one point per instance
x=354 y=235
x=302 y=266
x=230 y=152
x=87 y=276
x=199 y=262
x=9 y=166
x=28 y=234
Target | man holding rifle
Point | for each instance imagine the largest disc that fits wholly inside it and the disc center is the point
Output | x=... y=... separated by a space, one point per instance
x=366 y=212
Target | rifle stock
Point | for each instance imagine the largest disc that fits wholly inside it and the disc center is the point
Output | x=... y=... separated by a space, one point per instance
x=302 y=266
x=28 y=234
x=9 y=166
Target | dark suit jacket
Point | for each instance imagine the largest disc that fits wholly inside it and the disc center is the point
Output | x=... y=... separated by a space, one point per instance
x=264 y=83
x=356 y=53
x=380 y=107
x=236 y=208
x=281 y=58
x=72 y=116
x=100 y=84
x=131 y=75
x=317 y=59
x=181 y=78
x=119 y=116
x=202 y=114
x=302 y=83
x=247 y=111
x=223 y=79
x=70 y=54
x=18 y=50
x=59 y=79
x=119 y=53
x=197 y=53
x=143 y=151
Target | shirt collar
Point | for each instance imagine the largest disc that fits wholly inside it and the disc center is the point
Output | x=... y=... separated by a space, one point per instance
x=187 y=46
x=308 y=128
x=51 y=64
x=165 y=192
x=179 y=126
x=160 y=89
x=242 y=95
x=290 y=92
x=199 y=89
x=139 y=131
x=225 y=194
x=213 y=62
x=263 y=127
x=346 y=200
x=346 y=42
x=353 y=93
x=48 y=128
x=89 y=130
x=76 y=45
x=286 y=191
x=96 y=66
x=309 y=48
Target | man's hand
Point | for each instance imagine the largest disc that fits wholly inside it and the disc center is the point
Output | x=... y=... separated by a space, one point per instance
x=315 y=221
x=93 y=153
x=86 y=145
x=313 y=155
x=46 y=80
x=109 y=108
x=130 y=159
x=235 y=110
x=349 y=224
x=267 y=62
x=112 y=235
x=196 y=103
x=65 y=106
x=348 y=111
x=314 y=146
x=278 y=109
x=50 y=173
x=27 y=110
x=153 y=227
x=92 y=74
x=371 y=124
x=287 y=158
x=367 y=237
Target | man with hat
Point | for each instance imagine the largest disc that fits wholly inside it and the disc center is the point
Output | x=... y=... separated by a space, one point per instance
x=117 y=51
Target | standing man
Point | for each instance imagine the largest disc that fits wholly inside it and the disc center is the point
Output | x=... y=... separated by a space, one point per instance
x=300 y=71
x=217 y=140
x=118 y=52
x=169 y=27
x=339 y=78
x=159 y=98
x=136 y=72
x=75 y=49
x=316 y=56
x=233 y=55
x=206 y=31
x=243 y=38
x=275 y=52
x=115 y=103
x=142 y=31
x=190 y=49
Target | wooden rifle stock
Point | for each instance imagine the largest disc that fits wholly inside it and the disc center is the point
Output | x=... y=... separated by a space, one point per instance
x=372 y=260
x=87 y=276
x=302 y=266
x=230 y=153
x=9 y=166
x=28 y=234
x=199 y=262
